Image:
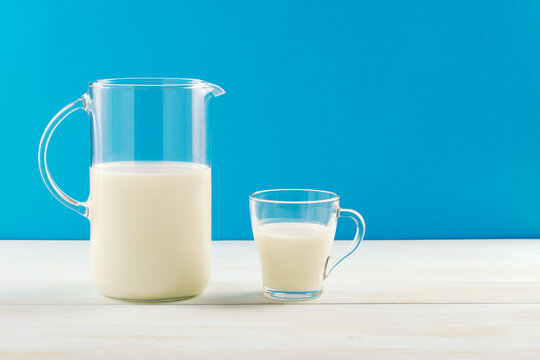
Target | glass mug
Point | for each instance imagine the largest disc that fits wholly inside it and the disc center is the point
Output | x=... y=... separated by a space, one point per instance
x=150 y=188
x=294 y=230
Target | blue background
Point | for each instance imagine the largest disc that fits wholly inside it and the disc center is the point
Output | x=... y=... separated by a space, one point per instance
x=422 y=115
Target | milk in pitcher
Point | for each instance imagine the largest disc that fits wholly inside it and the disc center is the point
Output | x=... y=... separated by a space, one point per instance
x=150 y=229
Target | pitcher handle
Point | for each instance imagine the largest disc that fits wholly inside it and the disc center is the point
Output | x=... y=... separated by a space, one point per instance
x=358 y=219
x=71 y=203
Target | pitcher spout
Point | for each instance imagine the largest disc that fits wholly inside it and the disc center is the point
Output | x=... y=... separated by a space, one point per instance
x=215 y=90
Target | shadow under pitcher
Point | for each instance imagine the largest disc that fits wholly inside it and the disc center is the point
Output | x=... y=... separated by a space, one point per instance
x=150 y=185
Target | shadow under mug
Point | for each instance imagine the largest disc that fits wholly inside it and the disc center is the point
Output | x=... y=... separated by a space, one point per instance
x=294 y=231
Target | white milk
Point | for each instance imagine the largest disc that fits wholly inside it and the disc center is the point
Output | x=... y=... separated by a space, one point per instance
x=293 y=255
x=150 y=229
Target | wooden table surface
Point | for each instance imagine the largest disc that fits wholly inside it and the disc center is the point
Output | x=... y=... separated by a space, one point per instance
x=440 y=299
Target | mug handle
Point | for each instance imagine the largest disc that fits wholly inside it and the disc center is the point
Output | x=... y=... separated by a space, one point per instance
x=71 y=203
x=358 y=219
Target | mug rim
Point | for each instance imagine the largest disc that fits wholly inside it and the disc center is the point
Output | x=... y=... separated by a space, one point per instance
x=254 y=196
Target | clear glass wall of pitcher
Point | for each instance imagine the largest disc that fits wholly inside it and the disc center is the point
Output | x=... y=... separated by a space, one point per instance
x=150 y=185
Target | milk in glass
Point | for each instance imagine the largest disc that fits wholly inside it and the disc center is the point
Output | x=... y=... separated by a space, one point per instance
x=293 y=254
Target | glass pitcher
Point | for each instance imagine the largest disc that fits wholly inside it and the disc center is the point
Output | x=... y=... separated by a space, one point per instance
x=150 y=186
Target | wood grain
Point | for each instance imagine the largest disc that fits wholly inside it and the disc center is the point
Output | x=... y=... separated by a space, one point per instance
x=443 y=299
x=441 y=271
x=435 y=331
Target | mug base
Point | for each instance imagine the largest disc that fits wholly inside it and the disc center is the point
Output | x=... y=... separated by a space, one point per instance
x=292 y=295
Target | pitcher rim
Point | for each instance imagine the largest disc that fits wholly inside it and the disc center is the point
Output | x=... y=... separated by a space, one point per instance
x=157 y=82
